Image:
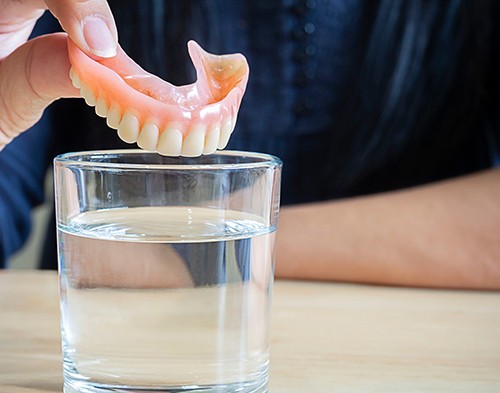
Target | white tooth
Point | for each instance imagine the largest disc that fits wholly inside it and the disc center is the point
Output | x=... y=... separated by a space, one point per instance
x=170 y=142
x=212 y=139
x=88 y=95
x=114 y=117
x=225 y=133
x=148 y=137
x=74 y=78
x=235 y=118
x=128 y=130
x=101 y=108
x=76 y=81
x=192 y=146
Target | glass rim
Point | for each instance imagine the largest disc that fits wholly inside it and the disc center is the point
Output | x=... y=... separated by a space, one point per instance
x=262 y=160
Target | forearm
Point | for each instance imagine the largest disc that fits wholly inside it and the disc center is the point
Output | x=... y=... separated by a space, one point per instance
x=442 y=235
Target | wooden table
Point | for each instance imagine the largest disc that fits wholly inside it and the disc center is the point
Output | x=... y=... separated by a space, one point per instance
x=325 y=338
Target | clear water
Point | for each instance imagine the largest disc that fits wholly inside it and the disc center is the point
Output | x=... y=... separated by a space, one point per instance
x=165 y=300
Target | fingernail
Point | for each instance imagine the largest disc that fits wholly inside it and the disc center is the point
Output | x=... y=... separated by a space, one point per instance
x=98 y=37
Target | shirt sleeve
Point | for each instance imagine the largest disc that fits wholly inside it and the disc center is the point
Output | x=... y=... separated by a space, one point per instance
x=23 y=165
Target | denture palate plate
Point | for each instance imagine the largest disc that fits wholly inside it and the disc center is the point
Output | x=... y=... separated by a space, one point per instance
x=188 y=120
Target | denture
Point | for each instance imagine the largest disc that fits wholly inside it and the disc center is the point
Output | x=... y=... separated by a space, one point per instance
x=188 y=120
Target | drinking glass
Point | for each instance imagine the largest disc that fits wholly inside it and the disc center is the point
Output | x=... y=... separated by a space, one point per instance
x=166 y=270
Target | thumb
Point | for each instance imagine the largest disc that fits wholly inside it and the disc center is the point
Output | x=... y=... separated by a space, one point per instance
x=32 y=77
x=89 y=24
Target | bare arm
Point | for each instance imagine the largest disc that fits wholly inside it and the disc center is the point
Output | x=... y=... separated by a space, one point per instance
x=446 y=234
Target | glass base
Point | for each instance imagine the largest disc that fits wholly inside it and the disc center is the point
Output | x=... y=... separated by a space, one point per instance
x=72 y=386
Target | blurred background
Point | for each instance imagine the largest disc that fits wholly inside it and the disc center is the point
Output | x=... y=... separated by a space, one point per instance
x=28 y=257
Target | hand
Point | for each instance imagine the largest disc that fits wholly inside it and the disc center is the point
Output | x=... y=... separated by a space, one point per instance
x=33 y=74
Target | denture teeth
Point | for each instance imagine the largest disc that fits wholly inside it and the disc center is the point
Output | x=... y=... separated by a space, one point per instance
x=235 y=118
x=225 y=133
x=148 y=137
x=75 y=80
x=170 y=142
x=194 y=142
x=128 y=130
x=101 y=107
x=212 y=139
x=87 y=94
x=114 y=117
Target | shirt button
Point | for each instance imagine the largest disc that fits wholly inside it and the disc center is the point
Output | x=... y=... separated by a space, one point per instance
x=309 y=28
x=310 y=50
x=311 y=4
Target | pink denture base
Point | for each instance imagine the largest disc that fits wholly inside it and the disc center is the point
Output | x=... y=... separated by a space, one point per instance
x=105 y=78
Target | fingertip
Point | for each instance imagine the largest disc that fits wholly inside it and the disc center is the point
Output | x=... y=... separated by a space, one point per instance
x=98 y=36
x=89 y=24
